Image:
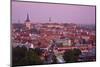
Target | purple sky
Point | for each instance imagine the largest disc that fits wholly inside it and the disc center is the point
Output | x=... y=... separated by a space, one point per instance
x=40 y=12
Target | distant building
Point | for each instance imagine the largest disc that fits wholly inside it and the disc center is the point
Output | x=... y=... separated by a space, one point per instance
x=64 y=42
x=28 y=23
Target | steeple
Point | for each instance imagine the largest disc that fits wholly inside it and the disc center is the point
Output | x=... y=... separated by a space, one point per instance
x=49 y=19
x=27 y=19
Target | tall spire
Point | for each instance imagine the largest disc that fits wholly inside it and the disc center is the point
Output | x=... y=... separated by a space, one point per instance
x=27 y=19
x=49 y=19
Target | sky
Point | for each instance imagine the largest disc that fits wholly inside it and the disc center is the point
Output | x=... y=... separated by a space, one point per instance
x=59 y=13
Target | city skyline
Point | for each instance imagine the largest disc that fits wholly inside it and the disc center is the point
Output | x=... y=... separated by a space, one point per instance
x=56 y=13
x=47 y=33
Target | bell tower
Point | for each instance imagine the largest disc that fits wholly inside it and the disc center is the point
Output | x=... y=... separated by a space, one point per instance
x=27 y=22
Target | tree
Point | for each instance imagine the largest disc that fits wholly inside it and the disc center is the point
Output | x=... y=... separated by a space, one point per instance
x=18 y=53
x=71 y=55
x=32 y=58
x=21 y=56
x=38 y=51
x=54 y=59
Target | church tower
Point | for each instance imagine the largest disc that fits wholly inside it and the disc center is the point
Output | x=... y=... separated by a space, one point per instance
x=28 y=24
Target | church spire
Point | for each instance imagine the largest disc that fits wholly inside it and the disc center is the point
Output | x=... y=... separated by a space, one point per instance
x=27 y=19
x=49 y=19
